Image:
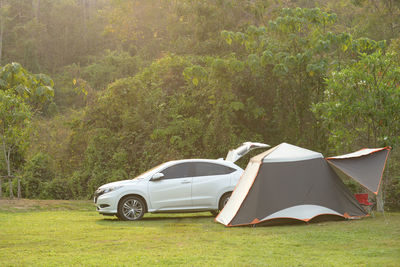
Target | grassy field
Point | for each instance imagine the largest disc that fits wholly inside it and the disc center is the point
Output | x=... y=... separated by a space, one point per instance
x=65 y=233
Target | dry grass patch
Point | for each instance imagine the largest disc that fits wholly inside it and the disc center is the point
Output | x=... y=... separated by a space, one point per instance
x=19 y=205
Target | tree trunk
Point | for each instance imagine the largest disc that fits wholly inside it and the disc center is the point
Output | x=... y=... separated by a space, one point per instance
x=7 y=159
x=10 y=183
x=19 y=187
x=35 y=8
x=5 y=153
x=85 y=17
x=1 y=29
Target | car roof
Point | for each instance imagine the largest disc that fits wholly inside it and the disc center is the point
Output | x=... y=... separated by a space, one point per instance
x=215 y=161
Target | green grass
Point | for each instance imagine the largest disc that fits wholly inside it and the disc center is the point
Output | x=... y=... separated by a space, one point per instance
x=72 y=233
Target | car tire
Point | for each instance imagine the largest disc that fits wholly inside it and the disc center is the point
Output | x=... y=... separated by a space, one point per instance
x=215 y=212
x=221 y=204
x=131 y=208
x=223 y=200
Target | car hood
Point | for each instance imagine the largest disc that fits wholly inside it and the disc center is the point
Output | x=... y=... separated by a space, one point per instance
x=122 y=183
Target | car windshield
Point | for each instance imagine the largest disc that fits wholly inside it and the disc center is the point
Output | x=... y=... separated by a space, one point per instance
x=146 y=173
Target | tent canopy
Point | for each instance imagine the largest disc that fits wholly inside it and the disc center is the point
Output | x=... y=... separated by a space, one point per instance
x=290 y=182
x=287 y=152
x=366 y=166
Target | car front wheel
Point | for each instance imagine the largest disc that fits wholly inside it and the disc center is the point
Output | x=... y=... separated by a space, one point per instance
x=131 y=208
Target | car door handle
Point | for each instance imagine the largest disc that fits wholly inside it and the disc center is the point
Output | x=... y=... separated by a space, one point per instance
x=185 y=182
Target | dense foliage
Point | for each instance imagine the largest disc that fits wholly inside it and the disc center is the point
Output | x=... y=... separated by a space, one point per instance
x=137 y=83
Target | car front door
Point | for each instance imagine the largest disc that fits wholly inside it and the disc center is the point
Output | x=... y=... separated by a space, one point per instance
x=174 y=190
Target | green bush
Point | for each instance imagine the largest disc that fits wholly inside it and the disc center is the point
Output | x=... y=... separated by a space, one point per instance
x=59 y=188
x=392 y=194
x=37 y=173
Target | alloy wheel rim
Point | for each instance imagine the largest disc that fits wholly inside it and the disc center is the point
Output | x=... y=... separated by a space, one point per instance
x=132 y=209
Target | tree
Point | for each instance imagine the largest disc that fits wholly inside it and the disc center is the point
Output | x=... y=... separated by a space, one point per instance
x=1 y=29
x=21 y=91
x=34 y=89
x=45 y=35
x=361 y=105
x=288 y=61
x=14 y=127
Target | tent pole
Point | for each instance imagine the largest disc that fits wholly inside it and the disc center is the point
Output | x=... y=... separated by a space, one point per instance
x=379 y=201
x=380 y=198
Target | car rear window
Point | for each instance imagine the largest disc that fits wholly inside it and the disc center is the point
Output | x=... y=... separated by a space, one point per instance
x=206 y=169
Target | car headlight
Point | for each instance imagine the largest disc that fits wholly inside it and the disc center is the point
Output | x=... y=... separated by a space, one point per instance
x=109 y=189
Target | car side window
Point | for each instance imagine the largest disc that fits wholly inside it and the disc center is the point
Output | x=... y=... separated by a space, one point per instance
x=207 y=169
x=180 y=170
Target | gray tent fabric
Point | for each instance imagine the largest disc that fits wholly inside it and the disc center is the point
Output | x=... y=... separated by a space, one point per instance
x=366 y=168
x=290 y=183
x=285 y=185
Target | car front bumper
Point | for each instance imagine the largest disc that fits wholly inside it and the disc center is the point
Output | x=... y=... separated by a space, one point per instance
x=107 y=203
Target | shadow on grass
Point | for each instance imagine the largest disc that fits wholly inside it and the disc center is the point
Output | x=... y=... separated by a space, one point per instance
x=151 y=220
x=163 y=218
x=293 y=222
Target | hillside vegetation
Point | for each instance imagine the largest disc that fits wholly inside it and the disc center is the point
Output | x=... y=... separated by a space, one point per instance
x=130 y=84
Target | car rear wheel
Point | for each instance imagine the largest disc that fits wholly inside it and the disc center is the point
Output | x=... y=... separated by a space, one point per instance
x=224 y=199
x=214 y=212
x=222 y=202
x=131 y=208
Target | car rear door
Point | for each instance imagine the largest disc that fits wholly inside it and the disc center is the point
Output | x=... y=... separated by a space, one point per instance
x=173 y=191
x=208 y=181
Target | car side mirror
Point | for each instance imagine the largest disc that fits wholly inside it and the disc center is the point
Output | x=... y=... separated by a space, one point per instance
x=157 y=176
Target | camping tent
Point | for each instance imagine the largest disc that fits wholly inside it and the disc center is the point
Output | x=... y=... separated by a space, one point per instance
x=365 y=166
x=292 y=183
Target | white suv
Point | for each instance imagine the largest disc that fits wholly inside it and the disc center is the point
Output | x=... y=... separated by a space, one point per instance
x=176 y=186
